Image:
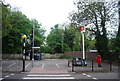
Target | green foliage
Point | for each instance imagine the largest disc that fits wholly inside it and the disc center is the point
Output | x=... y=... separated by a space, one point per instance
x=69 y=36
x=45 y=49
x=64 y=57
x=39 y=32
x=6 y=12
x=14 y=25
x=97 y=13
x=55 y=39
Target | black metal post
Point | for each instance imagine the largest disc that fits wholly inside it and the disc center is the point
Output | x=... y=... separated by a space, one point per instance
x=24 y=55
x=68 y=63
x=110 y=65
x=72 y=66
x=92 y=66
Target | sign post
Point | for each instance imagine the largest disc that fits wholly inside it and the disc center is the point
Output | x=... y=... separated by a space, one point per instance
x=82 y=29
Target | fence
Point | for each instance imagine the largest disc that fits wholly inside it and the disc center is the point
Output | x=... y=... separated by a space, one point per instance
x=93 y=67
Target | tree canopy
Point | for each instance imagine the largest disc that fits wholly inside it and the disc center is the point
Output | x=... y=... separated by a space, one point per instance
x=14 y=25
x=98 y=13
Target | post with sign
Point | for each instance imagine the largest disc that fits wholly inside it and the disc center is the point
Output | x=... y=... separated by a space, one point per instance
x=82 y=29
x=24 y=38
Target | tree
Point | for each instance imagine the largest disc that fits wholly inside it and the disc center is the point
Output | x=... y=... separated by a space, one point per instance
x=6 y=19
x=39 y=32
x=55 y=39
x=20 y=25
x=69 y=36
x=14 y=25
x=117 y=39
x=99 y=14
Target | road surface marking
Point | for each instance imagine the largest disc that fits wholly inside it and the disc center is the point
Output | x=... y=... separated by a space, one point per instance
x=49 y=78
x=88 y=76
x=11 y=64
x=42 y=65
x=1 y=79
x=84 y=74
x=70 y=65
x=37 y=76
x=57 y=65
x=47 y=75
x=7 y=76
x=12 y=74
x=27 y=65
x=95 y=78
x=37 y=63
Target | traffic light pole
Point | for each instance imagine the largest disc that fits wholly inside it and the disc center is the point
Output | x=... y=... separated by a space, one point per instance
x=24 y=55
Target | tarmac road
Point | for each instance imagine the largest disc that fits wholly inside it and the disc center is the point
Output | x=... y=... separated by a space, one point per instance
x=12 y=69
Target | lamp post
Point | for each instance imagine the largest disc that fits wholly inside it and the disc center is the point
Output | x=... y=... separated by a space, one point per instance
x=24 y=38
x=32 y=49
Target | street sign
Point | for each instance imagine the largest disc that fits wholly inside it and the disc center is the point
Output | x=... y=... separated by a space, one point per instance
x=36 y=47
x=82 y=29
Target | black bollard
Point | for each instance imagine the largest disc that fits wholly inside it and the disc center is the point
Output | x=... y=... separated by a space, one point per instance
x=110 y=65
x=72 y=66
x=68 y=63
x=92 y=66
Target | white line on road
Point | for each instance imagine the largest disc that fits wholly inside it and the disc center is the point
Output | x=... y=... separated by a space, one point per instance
x=84 y=74
x=95 y=78
x=42 y=65
x=7 y=76
x=88 y=76
x=11 y=64
x=27 y=65
x=57 y=65
x=1 y=79
x=49 y=78
x=12 y=74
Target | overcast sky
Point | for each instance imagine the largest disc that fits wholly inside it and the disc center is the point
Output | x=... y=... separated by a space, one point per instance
x=47 y=12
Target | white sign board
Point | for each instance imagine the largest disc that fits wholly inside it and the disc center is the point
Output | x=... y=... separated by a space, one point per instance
x=36 y=47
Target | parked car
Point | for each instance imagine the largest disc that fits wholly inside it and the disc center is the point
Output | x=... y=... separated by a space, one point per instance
x=78 y=62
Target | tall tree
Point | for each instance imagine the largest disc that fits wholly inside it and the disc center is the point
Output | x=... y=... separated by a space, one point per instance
x=69 y=36
x=6 y=11
x=55 y=39
x=14 y=25
x=98 y=13
x=117 y=39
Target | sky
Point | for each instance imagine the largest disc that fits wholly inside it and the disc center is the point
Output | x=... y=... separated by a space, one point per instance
x=47 y=12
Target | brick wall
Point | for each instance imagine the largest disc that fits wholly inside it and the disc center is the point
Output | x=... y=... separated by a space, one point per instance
x=54 y=56
x=12 y=56
x=89 y=55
